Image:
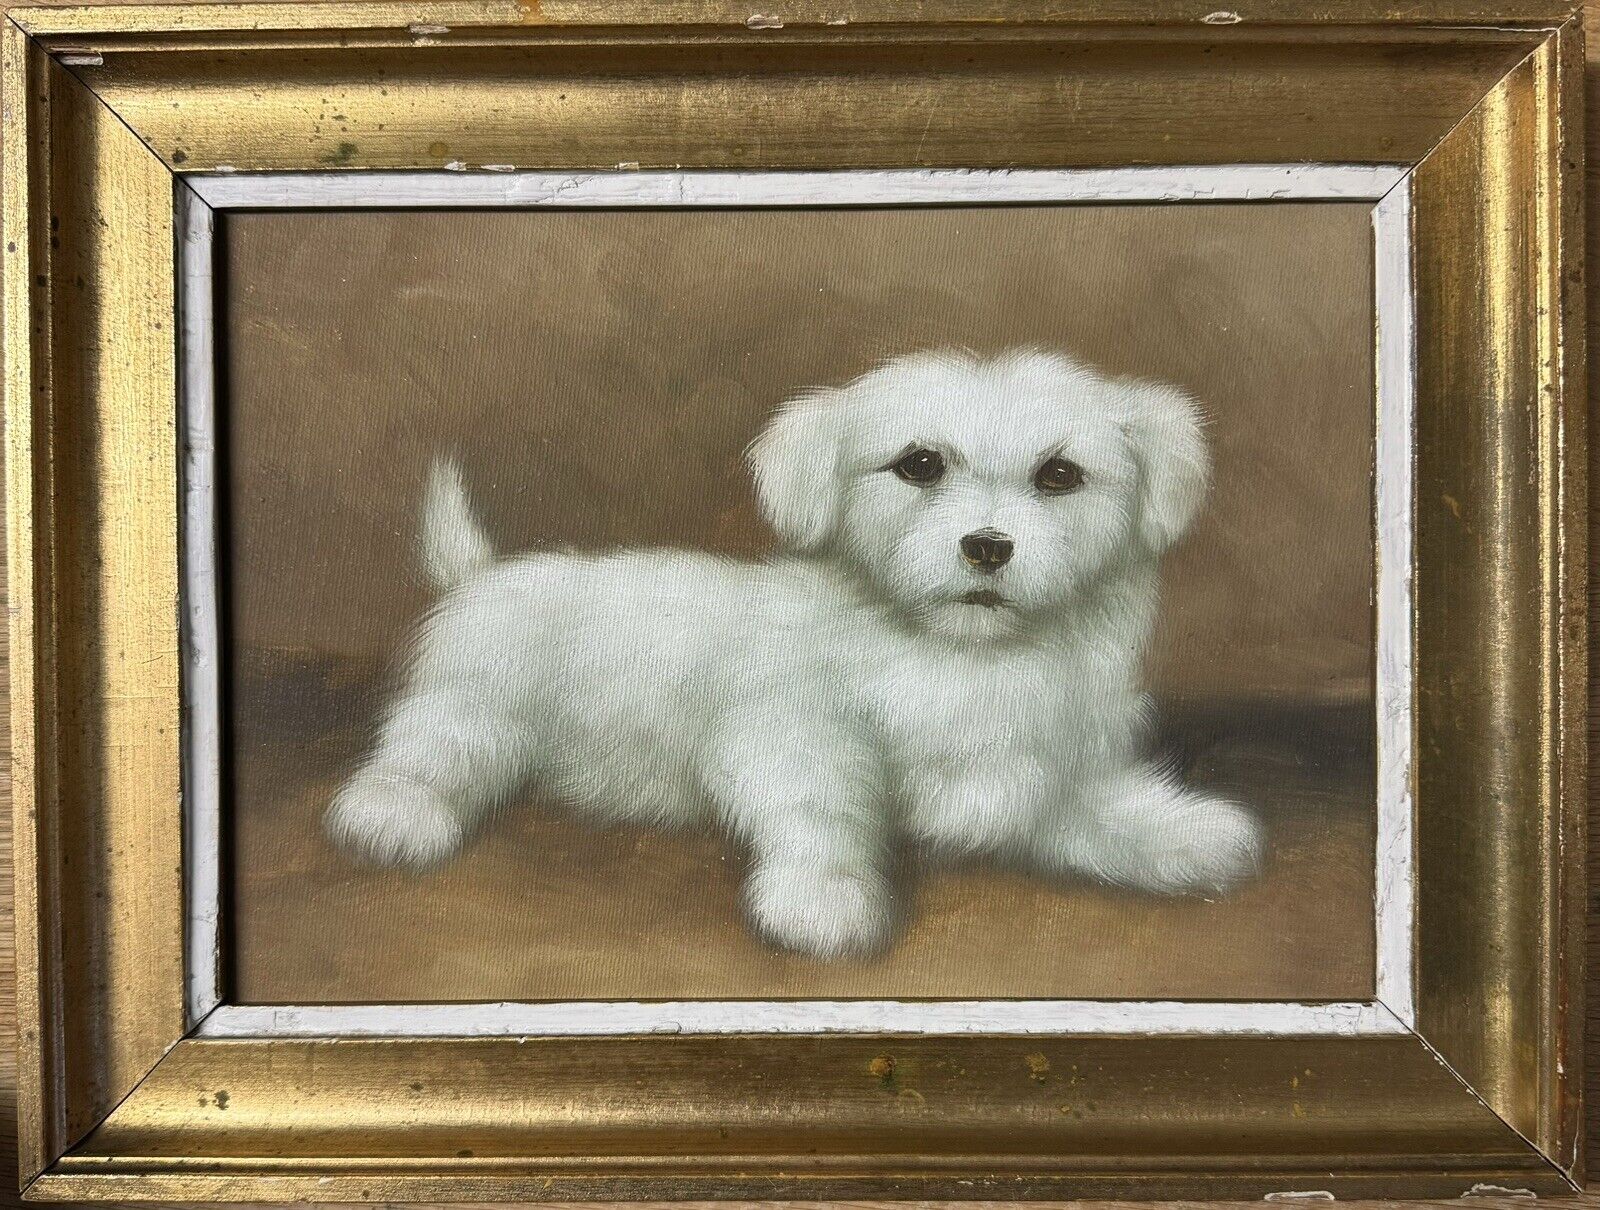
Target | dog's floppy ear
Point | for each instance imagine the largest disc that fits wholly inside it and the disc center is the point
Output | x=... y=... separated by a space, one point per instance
x=794 y=461
x=1164 y=425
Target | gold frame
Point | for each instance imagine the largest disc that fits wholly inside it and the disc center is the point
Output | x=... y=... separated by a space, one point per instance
x=105 y=106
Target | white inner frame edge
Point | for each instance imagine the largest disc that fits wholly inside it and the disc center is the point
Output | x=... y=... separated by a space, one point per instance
x=1396 y=375
x=1386 y=186
x=201 y=637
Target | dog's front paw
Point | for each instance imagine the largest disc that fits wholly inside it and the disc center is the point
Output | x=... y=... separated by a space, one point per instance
x=824 y=914
x=1207 y=847
x=393 y=821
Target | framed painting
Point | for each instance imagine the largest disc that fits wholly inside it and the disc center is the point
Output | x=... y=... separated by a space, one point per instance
x=619 y=601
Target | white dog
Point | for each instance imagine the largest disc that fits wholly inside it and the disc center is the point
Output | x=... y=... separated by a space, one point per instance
x=947 y=651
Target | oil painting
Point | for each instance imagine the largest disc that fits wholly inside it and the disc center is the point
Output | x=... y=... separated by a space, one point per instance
x=924 y=602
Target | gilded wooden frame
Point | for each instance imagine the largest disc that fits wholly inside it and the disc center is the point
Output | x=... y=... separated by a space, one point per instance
x=104 y=106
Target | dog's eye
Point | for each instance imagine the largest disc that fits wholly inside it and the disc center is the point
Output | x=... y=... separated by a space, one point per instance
x=1058 y=476
x=920 y=466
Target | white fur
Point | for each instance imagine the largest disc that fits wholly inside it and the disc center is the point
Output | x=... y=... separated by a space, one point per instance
x=838 y=700
x=454 y=546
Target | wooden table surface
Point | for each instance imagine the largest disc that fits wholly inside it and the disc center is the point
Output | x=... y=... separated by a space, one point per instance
x=1588 y=1201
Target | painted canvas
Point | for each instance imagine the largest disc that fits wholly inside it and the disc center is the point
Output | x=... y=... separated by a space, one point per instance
x=963 y=602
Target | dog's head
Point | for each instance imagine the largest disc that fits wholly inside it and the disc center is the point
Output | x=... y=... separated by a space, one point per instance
x=976 y=493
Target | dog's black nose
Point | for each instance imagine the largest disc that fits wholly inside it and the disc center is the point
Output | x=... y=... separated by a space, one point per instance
x=986 y=550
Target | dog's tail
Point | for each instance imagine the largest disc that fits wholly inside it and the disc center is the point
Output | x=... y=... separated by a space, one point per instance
x=454 y=546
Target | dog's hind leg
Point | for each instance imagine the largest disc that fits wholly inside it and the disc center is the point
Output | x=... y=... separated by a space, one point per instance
x=446 y=757
x=811 y=810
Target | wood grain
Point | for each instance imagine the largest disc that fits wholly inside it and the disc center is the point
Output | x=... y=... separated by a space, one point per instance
x=1592 y=1199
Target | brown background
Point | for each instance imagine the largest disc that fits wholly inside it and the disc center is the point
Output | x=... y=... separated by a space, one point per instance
x=1589 y=1201
x=599 y=374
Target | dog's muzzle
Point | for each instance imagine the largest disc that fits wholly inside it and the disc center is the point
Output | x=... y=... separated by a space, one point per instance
x=986 y=550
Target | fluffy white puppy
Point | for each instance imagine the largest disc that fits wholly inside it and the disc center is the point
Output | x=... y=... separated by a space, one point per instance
x=946 y=651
